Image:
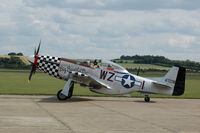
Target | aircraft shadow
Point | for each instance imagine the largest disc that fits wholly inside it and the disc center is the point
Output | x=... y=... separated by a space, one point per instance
x=142 y=101
x=73 y=99
x=54 y=99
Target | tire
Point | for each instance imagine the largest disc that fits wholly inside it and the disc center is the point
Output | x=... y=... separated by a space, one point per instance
x=147 y=99
x=60 y=96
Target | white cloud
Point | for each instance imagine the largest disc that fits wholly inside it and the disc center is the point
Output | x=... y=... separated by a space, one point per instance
x=181 y=41
x=100 y=28
x=117 y=4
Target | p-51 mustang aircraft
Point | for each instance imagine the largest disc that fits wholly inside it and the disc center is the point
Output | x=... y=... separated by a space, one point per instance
x=106 y=77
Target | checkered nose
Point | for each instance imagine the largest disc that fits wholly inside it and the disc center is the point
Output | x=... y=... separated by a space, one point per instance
x=49 y=64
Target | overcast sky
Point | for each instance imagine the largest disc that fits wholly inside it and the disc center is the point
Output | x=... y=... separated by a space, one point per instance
x=101 y=28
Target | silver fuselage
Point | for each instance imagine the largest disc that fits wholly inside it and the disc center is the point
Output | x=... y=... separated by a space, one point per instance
x=119 y=82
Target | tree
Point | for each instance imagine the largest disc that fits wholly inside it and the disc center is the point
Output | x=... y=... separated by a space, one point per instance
x=20 y=54
x=12 y=53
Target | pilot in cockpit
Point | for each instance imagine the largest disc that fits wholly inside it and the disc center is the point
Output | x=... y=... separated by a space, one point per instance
x=95 y=64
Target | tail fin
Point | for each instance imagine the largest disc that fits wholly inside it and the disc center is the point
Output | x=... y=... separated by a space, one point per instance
x=179 y=87
x=175 y=78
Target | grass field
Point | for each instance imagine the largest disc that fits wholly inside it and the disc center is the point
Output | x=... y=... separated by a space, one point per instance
x=12 y=82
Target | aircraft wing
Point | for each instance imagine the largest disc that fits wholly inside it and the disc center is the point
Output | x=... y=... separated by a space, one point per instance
x=93 y=80
x=98 y=82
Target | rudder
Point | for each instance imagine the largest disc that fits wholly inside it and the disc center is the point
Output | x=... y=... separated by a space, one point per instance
x=179 y=87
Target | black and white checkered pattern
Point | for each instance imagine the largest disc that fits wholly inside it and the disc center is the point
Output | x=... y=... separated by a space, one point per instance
x=49 y=65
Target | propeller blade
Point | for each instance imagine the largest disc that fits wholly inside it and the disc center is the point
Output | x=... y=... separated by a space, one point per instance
x=33 y=69
x=138 y=72
x=38 y=49
x=35 y=51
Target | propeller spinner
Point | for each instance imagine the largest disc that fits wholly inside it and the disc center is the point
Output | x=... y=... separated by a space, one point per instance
x=33 y=60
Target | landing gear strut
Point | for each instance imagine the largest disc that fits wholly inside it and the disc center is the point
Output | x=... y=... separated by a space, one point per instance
x=62 y=97
x=147 y=98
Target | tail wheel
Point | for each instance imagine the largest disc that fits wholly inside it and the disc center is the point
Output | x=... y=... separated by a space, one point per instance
x=147 y=99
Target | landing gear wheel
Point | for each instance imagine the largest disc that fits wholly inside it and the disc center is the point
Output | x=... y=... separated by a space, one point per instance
x=147 y=99
x=61 y=96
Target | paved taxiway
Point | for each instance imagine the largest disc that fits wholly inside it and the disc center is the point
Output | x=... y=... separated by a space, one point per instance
x=44 y=114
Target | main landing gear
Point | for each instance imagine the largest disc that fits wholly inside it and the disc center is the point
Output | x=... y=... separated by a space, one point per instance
x=147 y=98
x=66 y=92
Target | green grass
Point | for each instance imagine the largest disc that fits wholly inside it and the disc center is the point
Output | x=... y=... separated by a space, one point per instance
x=13 y=82
x=41 y=84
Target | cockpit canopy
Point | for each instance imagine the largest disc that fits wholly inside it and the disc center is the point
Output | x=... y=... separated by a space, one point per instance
x=106 y=64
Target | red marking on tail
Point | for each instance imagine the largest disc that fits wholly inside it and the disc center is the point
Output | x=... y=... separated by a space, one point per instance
x=143 y=85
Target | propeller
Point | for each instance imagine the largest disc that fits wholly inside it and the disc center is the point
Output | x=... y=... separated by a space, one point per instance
x=34 y=64
x=138 y=71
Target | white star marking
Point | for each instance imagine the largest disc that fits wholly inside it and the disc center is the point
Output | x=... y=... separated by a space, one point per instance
x=128 y=81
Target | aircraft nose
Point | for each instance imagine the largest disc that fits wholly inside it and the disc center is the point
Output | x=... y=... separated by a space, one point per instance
x=31 y=58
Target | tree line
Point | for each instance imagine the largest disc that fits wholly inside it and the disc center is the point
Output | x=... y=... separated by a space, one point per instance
x=13 y=63
x=162 y=61
x=15 y=54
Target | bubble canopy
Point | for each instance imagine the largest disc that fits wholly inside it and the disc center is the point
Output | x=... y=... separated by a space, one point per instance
x=105 y=64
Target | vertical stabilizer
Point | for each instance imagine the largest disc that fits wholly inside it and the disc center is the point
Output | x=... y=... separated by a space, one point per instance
x=175 y=79
x=179 y=87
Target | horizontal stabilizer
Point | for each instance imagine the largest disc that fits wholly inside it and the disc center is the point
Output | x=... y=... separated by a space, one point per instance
x=161 y=85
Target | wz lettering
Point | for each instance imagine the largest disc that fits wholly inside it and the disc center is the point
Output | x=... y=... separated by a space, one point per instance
x=104 y=74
